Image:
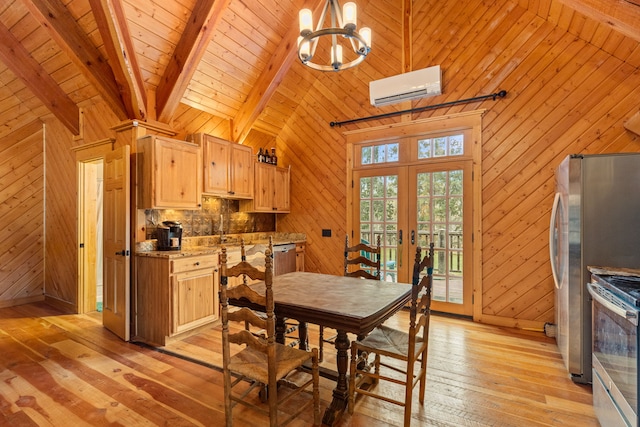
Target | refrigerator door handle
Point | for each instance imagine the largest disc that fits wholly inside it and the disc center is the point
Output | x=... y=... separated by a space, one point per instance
x=553 y=241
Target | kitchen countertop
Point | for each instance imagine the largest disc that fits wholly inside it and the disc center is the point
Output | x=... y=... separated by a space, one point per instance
x=210 y=245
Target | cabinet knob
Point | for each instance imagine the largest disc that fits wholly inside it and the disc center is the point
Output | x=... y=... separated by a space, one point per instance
x=213 y=163
x=197 y=263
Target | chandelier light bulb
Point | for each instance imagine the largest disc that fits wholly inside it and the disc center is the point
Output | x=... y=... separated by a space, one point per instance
x=306 y=21
x=336 y=57
x=303 y=48
x=365 y=32
x=349 y=15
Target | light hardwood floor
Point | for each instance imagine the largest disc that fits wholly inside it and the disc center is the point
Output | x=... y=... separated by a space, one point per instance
x=67 y=370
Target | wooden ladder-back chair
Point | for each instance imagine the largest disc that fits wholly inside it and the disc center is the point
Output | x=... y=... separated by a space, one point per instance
x=363 y=255
x=261 y=361
x=367 y=259
x=290 y=326
x=409 y=347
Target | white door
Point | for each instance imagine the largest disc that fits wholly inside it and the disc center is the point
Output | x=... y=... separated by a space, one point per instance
x=117 y=254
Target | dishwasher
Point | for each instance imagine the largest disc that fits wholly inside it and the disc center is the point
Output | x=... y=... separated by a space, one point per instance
x=284 y=258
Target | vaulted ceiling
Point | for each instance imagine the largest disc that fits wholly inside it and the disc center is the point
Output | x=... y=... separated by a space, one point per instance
x=156 y=60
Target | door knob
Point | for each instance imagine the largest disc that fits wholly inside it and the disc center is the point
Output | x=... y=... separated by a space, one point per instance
x=123 y=252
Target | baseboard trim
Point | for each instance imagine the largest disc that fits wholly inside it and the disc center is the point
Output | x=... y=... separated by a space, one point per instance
x=64 y=306
x=21 y=301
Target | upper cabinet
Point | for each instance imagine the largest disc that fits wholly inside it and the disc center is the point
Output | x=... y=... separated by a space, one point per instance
x=271 y=190
x=228 y=167
x=169 y=173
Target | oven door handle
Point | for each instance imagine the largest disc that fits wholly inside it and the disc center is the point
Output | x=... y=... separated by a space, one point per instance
x=630 y=315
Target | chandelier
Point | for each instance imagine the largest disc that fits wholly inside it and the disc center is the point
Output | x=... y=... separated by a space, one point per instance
x=343 y=28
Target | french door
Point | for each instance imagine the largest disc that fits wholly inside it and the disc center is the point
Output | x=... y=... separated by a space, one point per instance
x=413 y=205
x=440 y=212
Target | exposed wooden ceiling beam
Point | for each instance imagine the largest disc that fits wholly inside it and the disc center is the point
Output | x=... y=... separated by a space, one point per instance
x=200 y=27
x=36 y=78
x=407 y=36
x=65 y=31
x=114 y=31
x=269 y=80
x=621 y=15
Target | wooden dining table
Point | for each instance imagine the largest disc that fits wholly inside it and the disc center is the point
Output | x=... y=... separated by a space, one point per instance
x=346 y=304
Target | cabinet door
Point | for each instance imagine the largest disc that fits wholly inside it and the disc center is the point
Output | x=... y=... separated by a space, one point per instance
x=241 y=172
x=281 y=193
x=169 y=173
x=217 y=159
x=265 y=188
x=195 y=300
x=177 y=174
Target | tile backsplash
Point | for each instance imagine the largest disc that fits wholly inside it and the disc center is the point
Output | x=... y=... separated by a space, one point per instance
x=217 y=215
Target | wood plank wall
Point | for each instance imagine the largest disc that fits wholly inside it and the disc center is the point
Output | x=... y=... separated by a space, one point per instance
x=61 y=218
x=571 y=87
x=22 y=259
x=569 y=91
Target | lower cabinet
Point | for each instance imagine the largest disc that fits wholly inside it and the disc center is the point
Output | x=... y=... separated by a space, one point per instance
x=194 y=302
x=174 y=296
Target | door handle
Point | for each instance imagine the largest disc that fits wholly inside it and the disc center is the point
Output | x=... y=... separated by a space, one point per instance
x=123 y=252
x=413 y=237
x=400 y=237
x=553 y=241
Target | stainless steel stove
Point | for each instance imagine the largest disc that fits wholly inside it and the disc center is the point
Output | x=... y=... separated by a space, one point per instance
x=615 y=312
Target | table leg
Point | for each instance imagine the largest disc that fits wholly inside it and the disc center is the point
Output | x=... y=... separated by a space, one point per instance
x=303 y=336
x=281 y=327
x=341 y=392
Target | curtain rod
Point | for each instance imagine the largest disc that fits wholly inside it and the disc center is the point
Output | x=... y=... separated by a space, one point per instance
x=500 y=94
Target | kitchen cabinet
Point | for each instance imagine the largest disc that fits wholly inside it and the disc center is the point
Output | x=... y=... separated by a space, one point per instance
x=271 y=190
x=169 y=173
x=174 y=296
x=227 y=167
x=300 y=248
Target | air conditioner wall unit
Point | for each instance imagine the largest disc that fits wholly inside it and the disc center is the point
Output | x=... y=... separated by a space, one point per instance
x=407 y=86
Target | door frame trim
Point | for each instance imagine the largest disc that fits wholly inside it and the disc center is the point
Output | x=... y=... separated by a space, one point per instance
x=85 y=153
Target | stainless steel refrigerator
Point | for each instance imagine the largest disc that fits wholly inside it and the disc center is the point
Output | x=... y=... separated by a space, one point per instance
x=595 y=221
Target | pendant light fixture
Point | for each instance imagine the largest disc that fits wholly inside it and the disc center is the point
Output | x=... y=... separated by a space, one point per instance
x=342 y=33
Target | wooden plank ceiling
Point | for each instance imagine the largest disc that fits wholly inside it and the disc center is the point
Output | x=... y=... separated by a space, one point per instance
x=160 y=60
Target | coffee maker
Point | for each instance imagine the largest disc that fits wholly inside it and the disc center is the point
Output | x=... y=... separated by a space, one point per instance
x=169 y=236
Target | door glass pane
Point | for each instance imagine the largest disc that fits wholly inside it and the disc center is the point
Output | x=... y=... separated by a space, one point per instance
x=439 y=204
x=379 y=217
